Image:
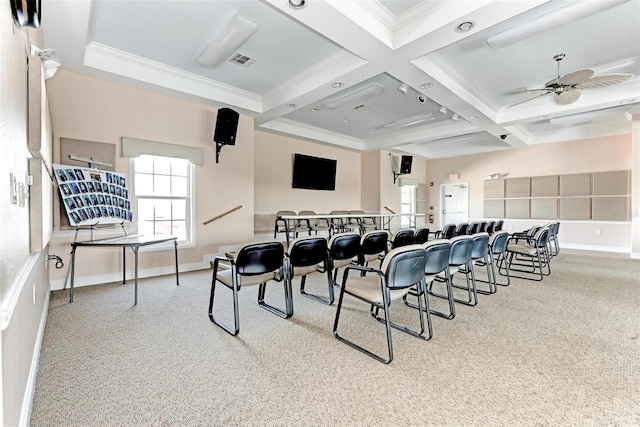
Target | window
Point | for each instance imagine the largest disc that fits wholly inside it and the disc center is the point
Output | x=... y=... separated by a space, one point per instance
x=162 y=196
x=407 y=205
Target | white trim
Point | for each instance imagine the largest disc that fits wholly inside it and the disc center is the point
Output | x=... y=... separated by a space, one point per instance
x=635 y=255
x=596 y=248
x=30 y=389
x=57 y=285
x=9 y=303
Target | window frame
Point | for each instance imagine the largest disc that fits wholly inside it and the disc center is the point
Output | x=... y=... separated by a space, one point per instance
x=190 y=240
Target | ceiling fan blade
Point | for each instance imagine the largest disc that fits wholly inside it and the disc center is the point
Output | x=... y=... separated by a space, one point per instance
x=533 y=89
x=527 y=100
x=567 y=97
x=604 y=80
x=575 y=77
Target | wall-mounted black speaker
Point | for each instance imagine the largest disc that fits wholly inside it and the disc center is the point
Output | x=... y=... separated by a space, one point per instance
x=226 y=127
x=405 y=164
x=26 y=13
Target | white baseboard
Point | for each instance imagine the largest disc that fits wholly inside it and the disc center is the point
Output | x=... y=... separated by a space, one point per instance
x=10 y=300
x=635 y=255
x=27 y=400
x=596 y=248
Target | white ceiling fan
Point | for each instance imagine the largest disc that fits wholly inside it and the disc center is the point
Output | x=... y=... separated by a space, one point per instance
x=567 y=89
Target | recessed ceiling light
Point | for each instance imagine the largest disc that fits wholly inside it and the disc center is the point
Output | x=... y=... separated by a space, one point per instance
x=292 y=105
x=474 y=117
x=465 y=26
x=337 y=85
x=315 y=110
x=346 y=120
x=297 y=4
x=372 y=129
x=426 y=85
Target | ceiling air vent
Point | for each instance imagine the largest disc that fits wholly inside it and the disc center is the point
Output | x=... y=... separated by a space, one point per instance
x=361 y=107
x=243 y=60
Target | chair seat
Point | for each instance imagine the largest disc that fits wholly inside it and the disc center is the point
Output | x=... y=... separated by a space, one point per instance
x=226 y=278
x=368 y=288
x=522 y=249
x=371 y=257
x=339 y=263
x=303 y=271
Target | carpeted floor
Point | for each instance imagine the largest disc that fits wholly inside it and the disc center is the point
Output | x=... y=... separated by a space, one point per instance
x=562 y=352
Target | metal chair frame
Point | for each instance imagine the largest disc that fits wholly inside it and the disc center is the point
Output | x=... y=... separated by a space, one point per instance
x=305 y=256
x=251 y=261
x=461 y=248
x=537 y=252
x=438 y=252
x=402 y=269
x=343 y=250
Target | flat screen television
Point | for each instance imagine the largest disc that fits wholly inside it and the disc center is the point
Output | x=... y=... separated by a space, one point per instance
x=313 y=173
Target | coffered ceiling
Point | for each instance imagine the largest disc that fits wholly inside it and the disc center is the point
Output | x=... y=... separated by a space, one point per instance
x=399 y=75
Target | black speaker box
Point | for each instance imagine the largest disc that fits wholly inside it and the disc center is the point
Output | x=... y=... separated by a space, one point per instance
x=226 y=127
x=405 y=164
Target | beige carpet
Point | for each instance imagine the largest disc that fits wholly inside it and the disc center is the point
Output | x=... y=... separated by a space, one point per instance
x=562 y=352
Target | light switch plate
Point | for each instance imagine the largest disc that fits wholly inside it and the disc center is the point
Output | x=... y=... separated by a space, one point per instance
x=14 y=189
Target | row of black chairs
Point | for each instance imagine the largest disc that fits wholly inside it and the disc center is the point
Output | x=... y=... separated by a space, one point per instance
x=259 y=263
x=462 y=229
x=406 y=271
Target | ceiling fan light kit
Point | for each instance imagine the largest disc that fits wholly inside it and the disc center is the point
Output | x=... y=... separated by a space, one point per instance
x=566 y=89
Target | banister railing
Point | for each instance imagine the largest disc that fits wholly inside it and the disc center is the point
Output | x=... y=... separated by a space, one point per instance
x=223 y=214
x=389 y=209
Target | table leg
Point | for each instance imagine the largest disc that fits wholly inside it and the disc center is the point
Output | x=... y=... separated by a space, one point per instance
x=72 y=267
x=175 y=246
x=135 y=251
x=124 y=265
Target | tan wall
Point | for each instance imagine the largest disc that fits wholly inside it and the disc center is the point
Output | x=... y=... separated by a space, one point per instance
x=22 y=274
x=590 y=155
x=273 y=172
x=371 y=176
x=96 y=110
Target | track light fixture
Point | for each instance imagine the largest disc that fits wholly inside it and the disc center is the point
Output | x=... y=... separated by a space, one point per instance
x=403 y=88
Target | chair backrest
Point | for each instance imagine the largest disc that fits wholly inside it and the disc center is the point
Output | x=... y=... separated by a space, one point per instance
x=498 y=242
x=473 y=228
x=421 y=235
x=403 y=237
x=308 y=250
x=259 y=258
x=344 y=246
x=438 y=252
x=491 y=227
x=311 y=221
x=533 y=231
x=480 y=246
x=338 y=222
x=498 y=226
x=462 y=229
x=374 y=242
x=482 y=227
x=448 y=231
x=280 y=214
x=404 y=267
x=461 y=247
x=541 y=237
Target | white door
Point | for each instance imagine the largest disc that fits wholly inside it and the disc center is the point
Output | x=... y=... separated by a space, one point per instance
x=455 y=204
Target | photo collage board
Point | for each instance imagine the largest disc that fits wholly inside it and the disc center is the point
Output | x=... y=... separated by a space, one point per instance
x=91 y=196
